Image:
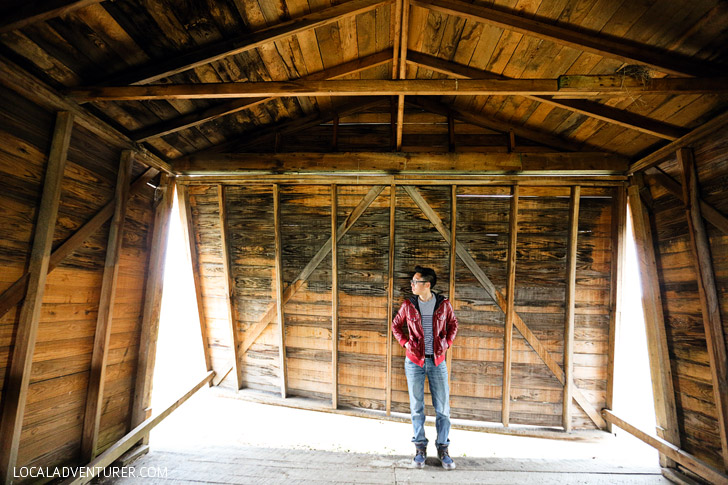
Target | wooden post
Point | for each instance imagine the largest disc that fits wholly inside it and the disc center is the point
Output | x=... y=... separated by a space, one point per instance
x=660 y=371
x=390 y=295
x=152 y=305
x=229 y=285
x=511 y=141
x=619 y=221
x=279 y=288
x=96 y=381
x=334 y=302
x=453 y=253
x=709 y=298
x=570 y=306
x=15 y=391
x=185 y=214
x=510 y=306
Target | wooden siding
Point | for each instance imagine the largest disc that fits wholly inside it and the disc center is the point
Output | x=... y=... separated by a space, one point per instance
x=53 y=418
x=483 y=215
x=697 y=416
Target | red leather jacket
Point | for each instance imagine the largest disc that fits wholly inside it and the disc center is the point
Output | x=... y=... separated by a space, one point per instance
x=444 y=329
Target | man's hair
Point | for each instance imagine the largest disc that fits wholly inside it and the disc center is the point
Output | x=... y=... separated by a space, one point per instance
x=428 y=274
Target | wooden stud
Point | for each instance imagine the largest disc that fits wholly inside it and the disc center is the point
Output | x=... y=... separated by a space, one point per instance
x=710 y=213
x=132 y=437
x=185 y=214
x=709 y=297
x=511 y=141
x=96 y=381
x=570 y=307
x=141 y=408
x=453 y=253
x=660 y=370
x=279 y=289
x=510 y=305
x=591 y=42
x=15 y=391
x=619 y=241
x=500 y=300
x=668 y=449
x=390 y=295
x=334 y=301
x=229 y=285
x=16 y=292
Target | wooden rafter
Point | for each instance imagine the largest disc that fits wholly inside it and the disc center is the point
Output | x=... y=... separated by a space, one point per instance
x=152 y=308
x=208 y=114
x=479 y=119
x=229 y=285
x=210 y=53
x=414 y=163
x=669 y=150
x=577 y=86
x=593 y=42
x=570 y=305
x=102 y=335
x=660 y=370
x=15 y=391
x=510 y=306
x=592 y=109
x=500 y=300
x=709 y=296
x=31 y=12
x=16 y=292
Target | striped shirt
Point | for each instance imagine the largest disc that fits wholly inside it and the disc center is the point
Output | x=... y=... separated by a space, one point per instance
x=427 y=308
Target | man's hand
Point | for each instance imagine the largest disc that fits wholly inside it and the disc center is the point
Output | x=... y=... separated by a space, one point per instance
x=406 y=346
x=446 y=345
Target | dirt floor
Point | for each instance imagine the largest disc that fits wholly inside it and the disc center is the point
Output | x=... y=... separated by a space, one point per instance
x=217 y=437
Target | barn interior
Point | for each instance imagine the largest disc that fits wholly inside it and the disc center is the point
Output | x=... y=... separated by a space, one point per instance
x=318 y=151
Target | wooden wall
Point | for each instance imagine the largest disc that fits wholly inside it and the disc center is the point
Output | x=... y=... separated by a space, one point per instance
x=363 y=324
x=696 y=407
x=54 y=413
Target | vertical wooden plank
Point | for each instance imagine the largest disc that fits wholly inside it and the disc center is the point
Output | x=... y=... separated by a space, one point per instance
x=279 y=287
x=619 y=221
x=396 y=37
x=141 y=409
x=709 y=299
x=334 y=302
x=453 y=253
x=15 y=391
x=570 y=306
x=96 y=380
x=185 y=214
x=660 y=371
x=511 y=141
x=510 y=306
x=402 y=70
x=390 y=295
x=229 y=288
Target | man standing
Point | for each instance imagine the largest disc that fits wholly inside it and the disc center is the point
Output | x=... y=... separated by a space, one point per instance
x=431 y=327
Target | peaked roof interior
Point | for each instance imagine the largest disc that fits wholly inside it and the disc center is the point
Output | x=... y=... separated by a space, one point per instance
x=87 y=48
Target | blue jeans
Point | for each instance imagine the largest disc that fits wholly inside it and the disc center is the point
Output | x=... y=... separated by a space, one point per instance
x=440 y=391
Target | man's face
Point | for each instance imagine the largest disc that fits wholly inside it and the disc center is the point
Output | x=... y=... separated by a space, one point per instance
x=419 y=286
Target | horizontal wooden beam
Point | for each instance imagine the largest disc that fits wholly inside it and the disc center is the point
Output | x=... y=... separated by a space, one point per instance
x=31 y=12
x=402 y=163
x=668 y=151
x=218 y=111
x=592 y=109
x=569 y=85
x=132 y=437
x=673 y=452
x=594 y=42
x=204 y=55
x=406 y=179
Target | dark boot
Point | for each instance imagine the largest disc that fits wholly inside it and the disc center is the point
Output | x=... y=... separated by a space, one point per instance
x=445 y=459
x=420 y=456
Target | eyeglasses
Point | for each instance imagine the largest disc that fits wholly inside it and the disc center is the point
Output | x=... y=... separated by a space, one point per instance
x=414 y=282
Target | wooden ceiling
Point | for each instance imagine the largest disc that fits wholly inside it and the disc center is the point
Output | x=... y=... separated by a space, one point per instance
x=186 y=77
